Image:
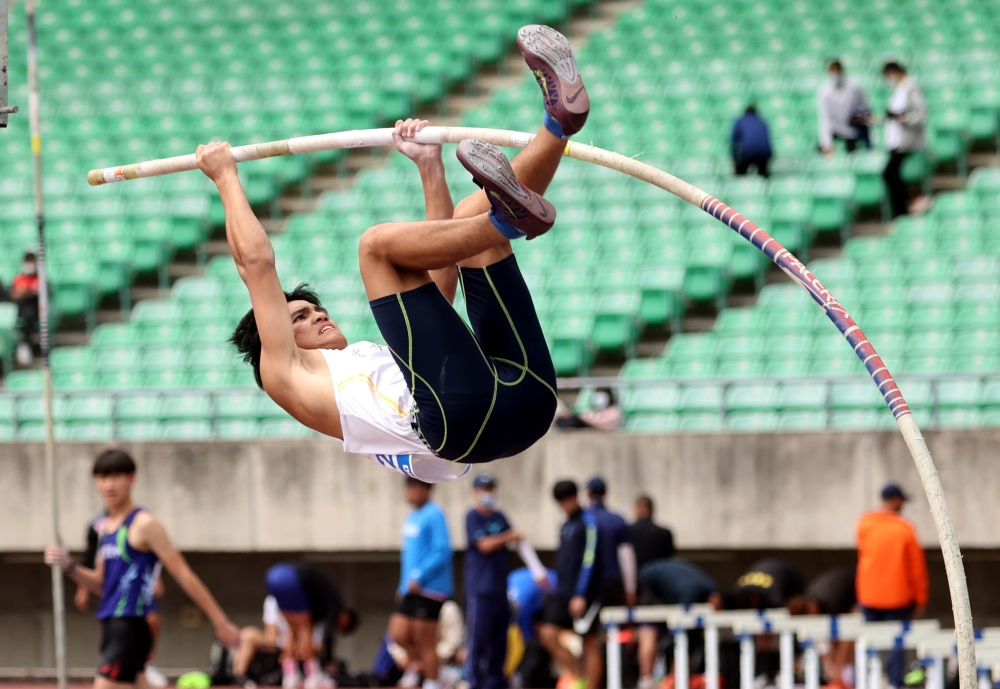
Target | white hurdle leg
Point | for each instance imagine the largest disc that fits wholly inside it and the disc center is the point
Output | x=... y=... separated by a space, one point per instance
x=787 y=658
x=810 y=662
x=874 y=669
x=935 y=672
x=682 y=671
x=614 y=654
x=711 y=657
x=860 y=664
x=747 y=667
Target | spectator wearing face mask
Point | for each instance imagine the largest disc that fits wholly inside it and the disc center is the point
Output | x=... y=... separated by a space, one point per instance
x=486 y=569
x=24 y=293
x=843 y=111
x=603 y=413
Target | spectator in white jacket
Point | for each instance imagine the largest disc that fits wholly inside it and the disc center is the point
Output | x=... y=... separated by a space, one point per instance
x=905 y=119
x=843 y=111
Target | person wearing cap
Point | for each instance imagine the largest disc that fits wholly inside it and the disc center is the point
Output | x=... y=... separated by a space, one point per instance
x=618 y=562
x=573 y=603
x=487 y=609
x=426 y=582
x=892 y=581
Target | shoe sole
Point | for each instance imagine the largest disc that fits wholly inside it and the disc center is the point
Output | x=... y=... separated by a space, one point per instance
x=549 y=47
x=489 y=167
x=546 y=50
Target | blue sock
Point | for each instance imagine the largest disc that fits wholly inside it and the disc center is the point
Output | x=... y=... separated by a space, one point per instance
x=504 y=227
x=549 y=122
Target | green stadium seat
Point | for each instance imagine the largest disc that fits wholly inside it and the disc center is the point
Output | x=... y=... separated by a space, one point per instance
x=236 y=429
x=652 y=423
x=284 y=429
x=138 y=406
x=639 y=368
x=190 y=430
x=958 y=417
x=615 y=324
x=752 y=397
x=700 y=398
x=139 y=431
x=89 y=408
x=855 y=419
x=651 y=399
x=90 y=431
x=700 y=422
x=753 y=422
x=182 y=406
x=802 y=420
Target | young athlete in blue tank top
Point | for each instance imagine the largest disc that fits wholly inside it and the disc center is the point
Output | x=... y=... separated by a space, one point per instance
x=132 y=545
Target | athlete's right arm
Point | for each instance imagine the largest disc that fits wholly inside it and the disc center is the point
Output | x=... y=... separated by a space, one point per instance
x=151 y=535
x=90 y=579
x=254 y=257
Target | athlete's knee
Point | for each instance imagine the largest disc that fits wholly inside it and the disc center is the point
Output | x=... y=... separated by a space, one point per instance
x=374 y=244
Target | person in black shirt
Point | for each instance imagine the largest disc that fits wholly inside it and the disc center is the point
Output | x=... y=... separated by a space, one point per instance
x=306 y=596
x=652 y=542
x=834 y=593
x=770 y=583
x=578 y=588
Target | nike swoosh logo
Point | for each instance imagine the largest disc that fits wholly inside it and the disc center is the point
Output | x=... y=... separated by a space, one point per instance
x=542 y=210
x=570 y=99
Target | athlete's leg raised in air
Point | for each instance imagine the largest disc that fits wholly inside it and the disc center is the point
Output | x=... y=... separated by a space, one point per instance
x=550 y=57
x=396 y=257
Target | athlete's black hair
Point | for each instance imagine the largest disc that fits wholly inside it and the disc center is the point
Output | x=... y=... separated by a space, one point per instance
x=835 y=62
x=246 y=337
x=893 y=67
x=564 y=490
x=114 y=462
x=413 y=481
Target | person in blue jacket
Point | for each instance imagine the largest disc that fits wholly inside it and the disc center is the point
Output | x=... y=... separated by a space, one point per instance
x=490 y=536
x=426 y=581
x=573 y=603
x=751 y=143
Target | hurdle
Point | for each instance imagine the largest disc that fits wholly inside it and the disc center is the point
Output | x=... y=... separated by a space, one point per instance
x=681 y=619
x=933 y=652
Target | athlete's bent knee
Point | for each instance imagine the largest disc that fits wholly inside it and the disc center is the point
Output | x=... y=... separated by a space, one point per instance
x=374 y=244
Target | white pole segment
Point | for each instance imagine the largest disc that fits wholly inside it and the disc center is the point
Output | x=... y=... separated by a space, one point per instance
x=629 y=166
x=34 y=118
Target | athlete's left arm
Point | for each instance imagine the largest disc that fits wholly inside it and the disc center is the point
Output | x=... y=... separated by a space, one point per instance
x=149 y=534
x=437 y=197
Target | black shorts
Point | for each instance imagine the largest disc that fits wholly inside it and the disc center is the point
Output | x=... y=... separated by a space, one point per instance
x=555 y=611
x=420 y=607
x=481 y=393
x=125 y=646
x=612 y=593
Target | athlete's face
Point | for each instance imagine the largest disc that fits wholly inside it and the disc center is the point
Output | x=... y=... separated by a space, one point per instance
x=115 y=489
x=313 y=328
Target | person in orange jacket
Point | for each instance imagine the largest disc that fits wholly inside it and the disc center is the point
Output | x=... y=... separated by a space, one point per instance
x=892 y=569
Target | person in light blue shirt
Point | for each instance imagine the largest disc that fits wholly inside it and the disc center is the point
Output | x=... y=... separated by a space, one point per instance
x=426 y=581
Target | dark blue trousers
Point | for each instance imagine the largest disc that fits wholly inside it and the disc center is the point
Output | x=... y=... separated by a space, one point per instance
x=897 y=659
x=486 y=619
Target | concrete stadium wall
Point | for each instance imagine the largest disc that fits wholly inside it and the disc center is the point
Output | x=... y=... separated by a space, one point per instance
x=717 y=491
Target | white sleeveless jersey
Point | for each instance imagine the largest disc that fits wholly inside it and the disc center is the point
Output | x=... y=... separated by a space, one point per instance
x=375 y=407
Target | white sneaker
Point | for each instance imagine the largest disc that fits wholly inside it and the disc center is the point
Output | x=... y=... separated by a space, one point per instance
x=291 y=680
x=647 y=682
x=319 y=681
x=410 y=679
x=155 y=678
x=24 y=355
